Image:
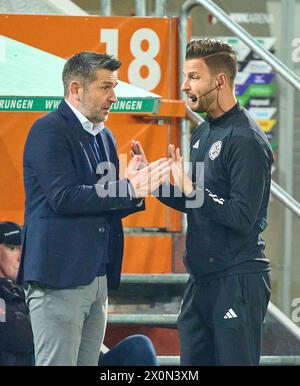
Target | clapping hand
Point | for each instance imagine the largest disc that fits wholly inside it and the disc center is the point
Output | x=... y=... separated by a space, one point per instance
x=137 y=149
x=147 y=179
x=181 y=180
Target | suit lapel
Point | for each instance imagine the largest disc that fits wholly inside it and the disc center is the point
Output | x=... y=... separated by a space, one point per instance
x=110 y=149
x=79 y=132
x=104 y=139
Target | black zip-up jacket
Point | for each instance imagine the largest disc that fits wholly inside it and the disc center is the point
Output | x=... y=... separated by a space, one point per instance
x=223 y=234
x=16 y=338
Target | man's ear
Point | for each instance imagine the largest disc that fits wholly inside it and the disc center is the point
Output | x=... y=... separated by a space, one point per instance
x=221 y=80
x=74 y=89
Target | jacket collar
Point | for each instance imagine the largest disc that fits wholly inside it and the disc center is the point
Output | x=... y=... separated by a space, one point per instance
x=68 y=114
x=223 y=118
x=86 y=124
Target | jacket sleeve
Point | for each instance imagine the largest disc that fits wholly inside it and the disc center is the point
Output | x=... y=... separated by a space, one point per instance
x=248 y=167
x=48 y=158
x=172 y=197
x=138 y=207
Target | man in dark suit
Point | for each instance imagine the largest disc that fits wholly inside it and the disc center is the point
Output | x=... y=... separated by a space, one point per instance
x=73 y=238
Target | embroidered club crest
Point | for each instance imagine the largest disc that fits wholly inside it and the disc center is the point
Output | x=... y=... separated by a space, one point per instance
x=215 y=149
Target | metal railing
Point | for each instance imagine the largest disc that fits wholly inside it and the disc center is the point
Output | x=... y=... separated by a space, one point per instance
x=287 y=200
x=140 y=8
x=143 y=319
x=160 y=8
x=284 y=360
x=154 y=278
x=170 y=319
x=240 y=32
x=290 y=326
x=105 y=7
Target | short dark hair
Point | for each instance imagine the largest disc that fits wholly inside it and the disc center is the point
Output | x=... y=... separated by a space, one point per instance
x=218 y=56
x=84 y=65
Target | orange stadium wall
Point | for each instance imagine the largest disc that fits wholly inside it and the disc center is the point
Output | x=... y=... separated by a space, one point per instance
x=149 y=250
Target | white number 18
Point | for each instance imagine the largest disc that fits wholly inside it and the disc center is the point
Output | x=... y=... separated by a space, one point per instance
x=141 y=58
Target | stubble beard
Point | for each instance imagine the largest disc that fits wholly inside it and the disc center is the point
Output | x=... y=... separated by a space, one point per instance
x=205 y=105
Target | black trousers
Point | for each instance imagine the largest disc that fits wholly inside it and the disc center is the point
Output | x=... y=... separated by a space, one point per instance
x=220 y=322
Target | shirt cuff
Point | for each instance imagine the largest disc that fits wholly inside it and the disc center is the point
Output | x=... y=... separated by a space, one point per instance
x=139 y=201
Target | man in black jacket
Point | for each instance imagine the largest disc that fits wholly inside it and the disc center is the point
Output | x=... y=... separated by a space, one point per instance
x=16 y=340
x=225 y=197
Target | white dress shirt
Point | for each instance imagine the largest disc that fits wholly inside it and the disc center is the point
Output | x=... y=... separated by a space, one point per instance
x=86 y=124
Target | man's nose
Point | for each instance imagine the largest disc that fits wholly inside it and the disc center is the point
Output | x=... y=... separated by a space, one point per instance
x=185 y=85
x=113 y=98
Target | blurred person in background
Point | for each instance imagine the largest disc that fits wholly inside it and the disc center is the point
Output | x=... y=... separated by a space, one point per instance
x=16 y=339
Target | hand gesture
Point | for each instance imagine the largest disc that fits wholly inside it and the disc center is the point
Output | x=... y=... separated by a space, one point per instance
x=137 y=149
x=181 y=180
x=149 y=178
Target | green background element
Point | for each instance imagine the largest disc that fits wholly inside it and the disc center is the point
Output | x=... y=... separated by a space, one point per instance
x=30 y=80
x=48 y=104
x=257 y=91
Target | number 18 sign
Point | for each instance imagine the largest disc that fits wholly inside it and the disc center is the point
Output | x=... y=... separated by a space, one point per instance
x=143 y=46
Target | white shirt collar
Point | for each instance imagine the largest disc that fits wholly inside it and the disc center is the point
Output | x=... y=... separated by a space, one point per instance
x=86 y=124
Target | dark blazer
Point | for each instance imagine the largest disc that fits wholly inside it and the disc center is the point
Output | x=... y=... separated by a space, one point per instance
x=66 y=222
